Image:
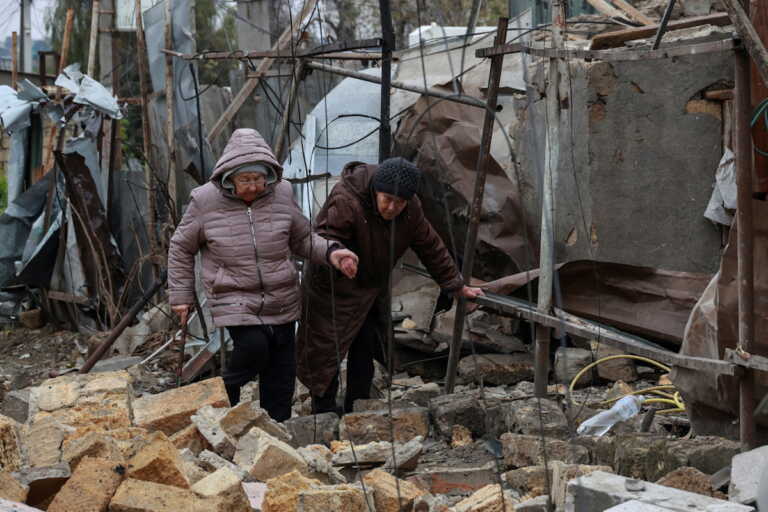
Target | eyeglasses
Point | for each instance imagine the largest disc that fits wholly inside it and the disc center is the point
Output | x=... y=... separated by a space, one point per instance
x=249 y=181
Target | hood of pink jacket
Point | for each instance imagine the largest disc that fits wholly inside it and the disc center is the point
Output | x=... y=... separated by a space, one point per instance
x=245 y=146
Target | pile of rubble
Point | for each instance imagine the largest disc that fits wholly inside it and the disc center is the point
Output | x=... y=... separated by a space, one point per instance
x=88 y=442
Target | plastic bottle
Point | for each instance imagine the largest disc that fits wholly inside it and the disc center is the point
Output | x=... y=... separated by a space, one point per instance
x=602 y=422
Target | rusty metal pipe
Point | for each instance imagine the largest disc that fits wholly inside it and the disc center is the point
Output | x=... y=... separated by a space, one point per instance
x=125 y=322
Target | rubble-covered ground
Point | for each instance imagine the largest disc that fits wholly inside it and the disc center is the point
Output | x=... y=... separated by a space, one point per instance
x=129 y=441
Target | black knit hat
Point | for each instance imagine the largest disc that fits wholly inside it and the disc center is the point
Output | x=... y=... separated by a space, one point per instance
x=398 y=177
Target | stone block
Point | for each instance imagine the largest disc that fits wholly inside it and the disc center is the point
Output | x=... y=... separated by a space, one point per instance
x=313 y=429
x=15 y=404
x=108 y=382
x=43 y=439
x=364 y=454
x=93 y=444
x=521 y=450
x=142 y=496
x=91 y=487
x=643 y=456
x=458 y=409
x=497 y=369
x=422 y=394
x=563 y=473
x=616 y=369
x=602 y=450
x=283 y=492
x=338 y=497
x=226 y=487
x=207 y=422
x=453 y=480
x=636 y=506
x=190 y=438
x=43 y=483
x=525 y=418
x=537 y=504
x=265 y=457
x=406 y=456
x=171 y=410
x=11 y=489
x=158 y=462
x=192 y=471
x=58 y=393
x=601 y=491
x=99 y=411
x=12 y=506
x=529 y=481
x=691 y=480
x=746 y=470
x=10 y=444
x=319 y=460
x=487 y=499
x=461 y=436
x=244 y=416
x=210 y=462
x=569 y=361
x=366 y=427
x=389 y=494
x=255 y=492
x=708 y=454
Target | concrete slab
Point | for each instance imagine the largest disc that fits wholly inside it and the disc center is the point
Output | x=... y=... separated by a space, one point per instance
x=601 y=491
x=636 y=506
x=746 y=470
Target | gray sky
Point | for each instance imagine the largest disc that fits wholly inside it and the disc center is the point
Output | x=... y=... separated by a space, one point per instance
x=10 y=23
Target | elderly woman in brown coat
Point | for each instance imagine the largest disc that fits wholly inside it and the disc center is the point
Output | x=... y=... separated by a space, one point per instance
x=375 y=212
x=247 y=227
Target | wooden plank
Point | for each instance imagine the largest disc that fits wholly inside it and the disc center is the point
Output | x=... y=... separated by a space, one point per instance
x=751 y=361
x=170 y=125
x=749 y=35
x=619 y=37
x=250 y=85
x=606 y=9
x=633 y=13
x=68 y=297
x=94 y=37
x=719 y=95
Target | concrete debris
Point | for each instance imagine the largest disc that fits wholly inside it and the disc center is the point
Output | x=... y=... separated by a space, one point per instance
x=490 y=498
x=158 y=462
x=568 y=363
x=319 y=459
x=526 y=418
x=11 y=489
x=746 y=470
x=264 y=456
x=316 y=428
x=406 y=456
x=523 y=450
x=691 y=480
x=225 y=485
x=211 y=462
x=452 y=480
x=207 y=422
x=247 y=415
x=15 y=405
x=90 y=488
x=623 y=369
x=366 y=427
x=283 y=492
x=497 y=369
x=421 y=395
x=391 y=494
x=43 y=483
x=460 y=436
x=375 y=453
x=338 y=497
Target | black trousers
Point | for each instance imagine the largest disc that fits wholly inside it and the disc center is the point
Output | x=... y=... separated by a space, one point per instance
x=365 y=347
x=269 y=352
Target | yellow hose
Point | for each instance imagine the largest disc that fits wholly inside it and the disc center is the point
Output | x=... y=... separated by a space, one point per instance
x=671 y=399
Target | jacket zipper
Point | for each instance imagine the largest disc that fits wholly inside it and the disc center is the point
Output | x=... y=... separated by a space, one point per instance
x=256 y=254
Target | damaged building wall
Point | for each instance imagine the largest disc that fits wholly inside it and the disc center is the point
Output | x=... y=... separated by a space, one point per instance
x=631 y=193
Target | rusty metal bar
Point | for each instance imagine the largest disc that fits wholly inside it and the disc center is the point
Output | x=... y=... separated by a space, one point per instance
x=387 y=45
x=663 y=24
x=477 y=202
x=745 y=249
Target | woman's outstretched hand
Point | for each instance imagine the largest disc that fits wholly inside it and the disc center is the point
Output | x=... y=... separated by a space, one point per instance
x=345 y=261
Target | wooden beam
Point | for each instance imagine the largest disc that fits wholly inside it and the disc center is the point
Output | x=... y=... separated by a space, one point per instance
x=719 y=95
x=633 y=13
x=619 y=37
x=328 y=51
x=759 y=90
x=749 y=36
x=93 y=40
x=250 y=85
x=605 y=8
x=170 y=131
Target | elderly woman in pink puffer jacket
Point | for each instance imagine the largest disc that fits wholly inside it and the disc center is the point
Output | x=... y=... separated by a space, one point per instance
x=247 y=227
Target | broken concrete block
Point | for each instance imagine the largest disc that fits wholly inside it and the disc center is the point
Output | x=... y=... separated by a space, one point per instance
x=569 y=361
x=142 y=496
x=600 y=491
x=461 y=436
x=337 y=497
x=129 y=440
x=526 y=418
x=190 y=438
x=171 y=410
x=488 y=499
x=90 y=488
x=602 y=450
x=265 y=457
x=708 y=454
x=43 y=483
x=283 y=492
x=406 y=456
x=522 y=450
x=44 y=438
x=459 y=409
x=12 y=506
x=643 y=456
x=93 y=444
x=99 y=411
x=497 y=369
x=244 y=416
x=319 y=459
x=537 y=504
x=207 y=422
x=11 y=489
x=115 y=363
x=313 y=429
x=15 y=404
x=746 y=470
x=691 y=480
x=623 y=369
x=453 y=480
x=158 y=462
x=108 y=382
x=255 y=492
x=58 y=393
x=10 y=444
x=192 y=471
x=211 y=462
x=366 y=427
x=636 y=506
x=563 y=473
x=224 y=485
x=391 y=494
x=344 y=454
x=422 y=394
x=529 y=481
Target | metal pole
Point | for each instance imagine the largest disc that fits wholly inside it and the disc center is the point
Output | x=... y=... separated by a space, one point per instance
x=547 y=243
x=477 y=202
x=388 y=44
x=14 y=61
x=743 y=147
x=23 y=42
x=94 y=38
x=169 y=104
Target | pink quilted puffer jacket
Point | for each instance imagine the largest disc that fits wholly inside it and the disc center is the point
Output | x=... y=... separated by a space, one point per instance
x=247 y=271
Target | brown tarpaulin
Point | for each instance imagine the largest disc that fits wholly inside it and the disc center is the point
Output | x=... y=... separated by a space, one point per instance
x=649 y=302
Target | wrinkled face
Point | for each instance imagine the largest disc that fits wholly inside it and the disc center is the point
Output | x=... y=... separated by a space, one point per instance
x=390 y=206
x=249 y=185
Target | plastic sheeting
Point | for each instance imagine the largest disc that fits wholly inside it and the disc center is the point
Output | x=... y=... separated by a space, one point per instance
x=724 y=192
x=88 y=91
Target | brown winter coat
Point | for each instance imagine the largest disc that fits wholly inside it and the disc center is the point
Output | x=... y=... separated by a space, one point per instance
x=350 y=216
x=246 y=250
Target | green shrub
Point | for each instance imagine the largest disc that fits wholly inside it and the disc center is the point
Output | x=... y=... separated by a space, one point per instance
x=3 y=192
